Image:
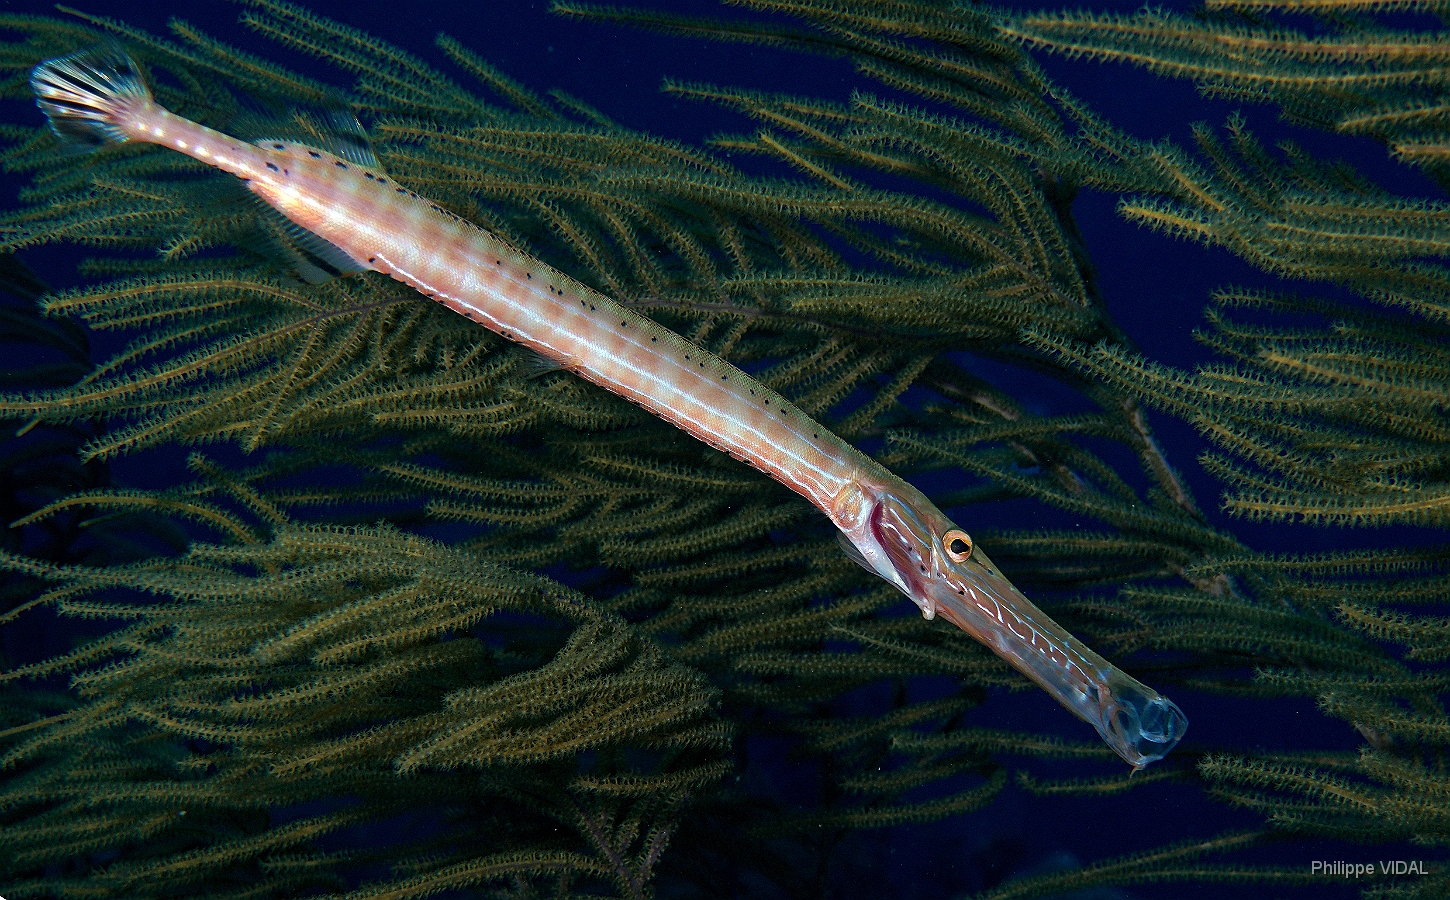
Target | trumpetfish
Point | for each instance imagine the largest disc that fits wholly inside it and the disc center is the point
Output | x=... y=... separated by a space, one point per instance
x=886 y=525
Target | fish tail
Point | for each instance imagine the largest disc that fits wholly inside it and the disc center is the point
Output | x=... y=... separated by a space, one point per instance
x=88 y=96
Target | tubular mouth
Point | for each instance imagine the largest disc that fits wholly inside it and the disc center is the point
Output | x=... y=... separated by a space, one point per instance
x=1140 y=724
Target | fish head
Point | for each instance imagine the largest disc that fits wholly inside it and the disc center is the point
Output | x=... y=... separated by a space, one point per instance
x=898 y=534
x=901 y=536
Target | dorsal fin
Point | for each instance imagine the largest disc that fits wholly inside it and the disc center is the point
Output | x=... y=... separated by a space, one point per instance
x=357 y=154
x=332 y=128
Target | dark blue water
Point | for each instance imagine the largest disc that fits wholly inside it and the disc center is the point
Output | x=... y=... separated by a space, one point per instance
x=1156 y=287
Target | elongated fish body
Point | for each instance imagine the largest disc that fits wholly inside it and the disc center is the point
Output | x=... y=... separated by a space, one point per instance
x=387 y=228
x=886 y=525
x=384 y=227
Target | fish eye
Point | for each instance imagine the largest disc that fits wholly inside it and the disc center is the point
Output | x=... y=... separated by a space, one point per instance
x=958 y=545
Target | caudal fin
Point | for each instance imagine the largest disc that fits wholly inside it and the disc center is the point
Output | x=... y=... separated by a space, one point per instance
x=87 y=95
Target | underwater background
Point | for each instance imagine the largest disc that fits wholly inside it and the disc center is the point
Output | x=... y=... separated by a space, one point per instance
x=1154 y=285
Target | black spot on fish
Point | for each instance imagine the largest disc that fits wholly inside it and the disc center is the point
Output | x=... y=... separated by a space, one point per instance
x=286 y=171
x=314 y=154
x=529 y=275
x=279 y=146
x=724 y=377
x=340 y=164
x=401 y=190
x=273 y=167
x=652 y=340
x=372 y=259
x=369 y=175
x=382 y=180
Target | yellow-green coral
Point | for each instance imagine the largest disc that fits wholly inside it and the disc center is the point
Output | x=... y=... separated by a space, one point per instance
x=444 y=624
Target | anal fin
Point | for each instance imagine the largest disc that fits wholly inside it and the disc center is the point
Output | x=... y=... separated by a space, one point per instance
x=314 y=258
x=320 y=253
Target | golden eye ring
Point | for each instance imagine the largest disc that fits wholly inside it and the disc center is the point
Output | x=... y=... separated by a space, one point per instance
x=957 y=544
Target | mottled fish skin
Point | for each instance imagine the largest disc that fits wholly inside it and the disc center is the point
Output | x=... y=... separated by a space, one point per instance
x=887 y=525
x=387 y=228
